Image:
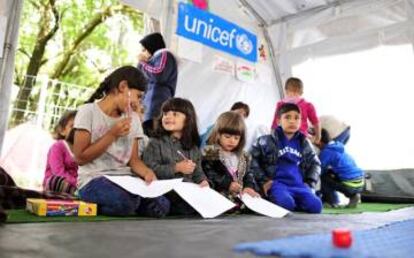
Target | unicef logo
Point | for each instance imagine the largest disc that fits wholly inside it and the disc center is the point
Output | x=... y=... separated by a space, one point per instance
x=244 y=44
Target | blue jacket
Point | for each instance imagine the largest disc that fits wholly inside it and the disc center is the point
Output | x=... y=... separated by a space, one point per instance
x=265 y=158
x=161 y=72
x=334 y=157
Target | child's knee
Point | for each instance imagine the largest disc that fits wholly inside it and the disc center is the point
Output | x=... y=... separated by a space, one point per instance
x=313 y=205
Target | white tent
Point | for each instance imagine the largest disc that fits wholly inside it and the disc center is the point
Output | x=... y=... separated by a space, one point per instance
x=354 y=56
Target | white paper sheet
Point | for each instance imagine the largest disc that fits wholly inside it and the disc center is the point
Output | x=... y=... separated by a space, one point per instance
x=3 y=26
x=204 y=200
x=136 y=185
x=264 y=207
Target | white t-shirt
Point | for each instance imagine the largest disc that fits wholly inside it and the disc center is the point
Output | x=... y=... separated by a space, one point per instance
x=114 y=160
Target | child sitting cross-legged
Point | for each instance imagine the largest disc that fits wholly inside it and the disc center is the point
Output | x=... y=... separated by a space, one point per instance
x=224 y=161
x=285 y=165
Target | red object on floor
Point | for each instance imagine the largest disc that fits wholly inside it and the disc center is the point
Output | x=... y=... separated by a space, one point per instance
x=342 y=237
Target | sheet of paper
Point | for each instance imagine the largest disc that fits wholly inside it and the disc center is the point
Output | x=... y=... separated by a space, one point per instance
x=264 y=207
x=136 y=185
x=3 y=26
x=204 y=200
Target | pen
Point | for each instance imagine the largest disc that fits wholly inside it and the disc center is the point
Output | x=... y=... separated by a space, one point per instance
x=182 y=155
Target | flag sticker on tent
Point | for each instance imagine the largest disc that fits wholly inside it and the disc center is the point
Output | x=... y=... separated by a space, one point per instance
x=214 y=31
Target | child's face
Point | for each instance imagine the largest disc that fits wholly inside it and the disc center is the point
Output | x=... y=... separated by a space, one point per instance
x=229 y=142
x=135 y=100
x=290 y=122
x=173 y=121
x=66 y=130
x=293 y=93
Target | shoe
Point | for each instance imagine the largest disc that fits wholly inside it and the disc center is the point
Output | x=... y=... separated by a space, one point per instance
x=354 y=200
x=330 y=205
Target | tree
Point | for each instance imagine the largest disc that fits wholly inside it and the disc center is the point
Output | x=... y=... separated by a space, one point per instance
x=59 y=44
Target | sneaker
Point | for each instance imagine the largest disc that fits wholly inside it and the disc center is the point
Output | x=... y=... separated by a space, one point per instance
x=354 y=200
x=330 y=205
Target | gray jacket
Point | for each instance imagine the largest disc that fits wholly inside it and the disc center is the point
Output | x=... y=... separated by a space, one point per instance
x=161 y=156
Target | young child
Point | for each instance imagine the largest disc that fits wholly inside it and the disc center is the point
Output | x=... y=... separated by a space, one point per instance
x=160 y=67
x=106 y=144
x=61 y=168
x=339 y=173
x=224 y=161
x=239 y=107
x=285 y=165
x=294 y=92
x=174 y=152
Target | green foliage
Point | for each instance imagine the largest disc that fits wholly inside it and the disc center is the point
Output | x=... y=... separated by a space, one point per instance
x=103 y=49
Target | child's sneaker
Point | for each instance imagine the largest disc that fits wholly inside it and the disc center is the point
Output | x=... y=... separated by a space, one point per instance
x=354 y=200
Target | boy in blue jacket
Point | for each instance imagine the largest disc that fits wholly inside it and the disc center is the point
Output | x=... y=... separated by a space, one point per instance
x=285 y=165
x=339 y=173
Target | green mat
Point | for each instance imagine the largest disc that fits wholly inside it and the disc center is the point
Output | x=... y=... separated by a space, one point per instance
x=22 y=216
x=368 y=207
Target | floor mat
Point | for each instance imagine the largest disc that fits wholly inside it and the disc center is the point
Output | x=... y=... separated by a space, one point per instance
x=22 y=216
x=367 y=207
x=392 y=240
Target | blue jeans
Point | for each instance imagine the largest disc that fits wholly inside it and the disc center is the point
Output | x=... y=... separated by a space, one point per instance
x=115 y=201
x=330 y=184
x=295 y=198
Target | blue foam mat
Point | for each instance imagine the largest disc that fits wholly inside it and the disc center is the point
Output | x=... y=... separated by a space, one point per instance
x=394 y=240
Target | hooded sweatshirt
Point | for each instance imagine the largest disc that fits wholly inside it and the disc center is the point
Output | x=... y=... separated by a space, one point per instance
x=333 y=156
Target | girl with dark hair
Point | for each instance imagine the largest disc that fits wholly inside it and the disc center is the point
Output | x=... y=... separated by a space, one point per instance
x=224 y=161
x=61 y=168
x=174 y=152
x=106 y=144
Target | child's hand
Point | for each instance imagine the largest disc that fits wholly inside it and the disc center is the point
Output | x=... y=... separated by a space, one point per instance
x=266 y=186
x=149 y=177
x=204 y=183
x=251 y=192
x=121 y=128
x=185 y=166
x=235 y=188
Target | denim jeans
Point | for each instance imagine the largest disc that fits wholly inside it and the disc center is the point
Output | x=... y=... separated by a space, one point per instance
x=115 y=201
x=330 y=183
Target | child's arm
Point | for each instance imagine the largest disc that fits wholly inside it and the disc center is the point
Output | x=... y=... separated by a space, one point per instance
x=162 y=66
x=262 y=180
x=311 y=164
x=313 y=117
x=275 y=119
x=218 y=181
x=55 y=159
x=85 y=151
x=138 y=167
x=198 y=174
x=152 y=157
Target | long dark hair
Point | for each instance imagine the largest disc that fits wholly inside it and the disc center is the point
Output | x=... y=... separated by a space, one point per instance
x=190 y=136
x=134 y=77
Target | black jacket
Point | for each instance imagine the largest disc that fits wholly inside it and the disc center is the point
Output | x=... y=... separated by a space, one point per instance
x=264 y=153
x=217 y=173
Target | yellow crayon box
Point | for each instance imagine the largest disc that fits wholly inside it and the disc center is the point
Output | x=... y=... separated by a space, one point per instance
x=49 y=207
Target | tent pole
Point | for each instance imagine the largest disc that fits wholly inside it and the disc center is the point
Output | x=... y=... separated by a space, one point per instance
x=264 y=26
x=14 y=8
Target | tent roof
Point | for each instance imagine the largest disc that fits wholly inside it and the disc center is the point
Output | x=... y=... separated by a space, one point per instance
x=274 y=11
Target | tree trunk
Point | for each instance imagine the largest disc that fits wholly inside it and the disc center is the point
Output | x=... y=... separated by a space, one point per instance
x=45 y=34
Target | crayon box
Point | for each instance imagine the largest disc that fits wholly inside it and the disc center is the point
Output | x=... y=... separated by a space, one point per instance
x=49 y=207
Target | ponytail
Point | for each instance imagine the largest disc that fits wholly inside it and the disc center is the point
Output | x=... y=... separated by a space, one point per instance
x=100 y=91
x=134 y=77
